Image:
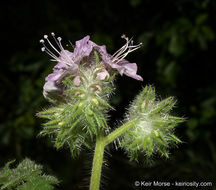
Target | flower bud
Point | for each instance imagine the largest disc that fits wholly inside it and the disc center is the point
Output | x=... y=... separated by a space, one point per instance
x=96 y=89
x=151 y=132
x=77 y=80
x=61 y=123
x=94 y=101
x=102 y=75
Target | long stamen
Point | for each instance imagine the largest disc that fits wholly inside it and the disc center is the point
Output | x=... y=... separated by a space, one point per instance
x=125 y=50
x=129 y=51
x=52 y=55
x=56 y=41
x=69 y=59
x=46 y=37
x=46 y=49
x=122 y=49
x=63 y=58
x=55 y=58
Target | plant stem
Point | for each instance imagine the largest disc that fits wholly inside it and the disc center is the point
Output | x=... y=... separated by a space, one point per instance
x=119 y=131
x=101 y=142
x=97 y=164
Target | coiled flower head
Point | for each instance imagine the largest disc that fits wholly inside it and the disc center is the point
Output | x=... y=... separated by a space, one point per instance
x=154 y=126
x=80 y=87
x=69 y=63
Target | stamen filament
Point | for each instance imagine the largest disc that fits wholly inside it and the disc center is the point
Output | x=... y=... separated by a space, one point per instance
x=125 y=50
x=50 y=52
x=69 y=59
x=56 y=41
x=46 y=37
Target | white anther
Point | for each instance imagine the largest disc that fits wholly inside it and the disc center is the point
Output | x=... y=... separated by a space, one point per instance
x=53 y=34
x=59 y=39
x=41 y=41
x=43 y=49
x=45 y=36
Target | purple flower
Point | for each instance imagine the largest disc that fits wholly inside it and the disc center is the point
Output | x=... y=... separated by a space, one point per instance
x=50 y=86
x=117 y=61
x=129 y=69
x=68 y=62
x=83 y=48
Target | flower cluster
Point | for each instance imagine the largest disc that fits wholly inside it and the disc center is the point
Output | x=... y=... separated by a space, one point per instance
x=153 y=131
x=69 y=63
x=80 y=87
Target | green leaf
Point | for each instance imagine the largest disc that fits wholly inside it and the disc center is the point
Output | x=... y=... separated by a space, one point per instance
x=39 y=183
x=27 y=175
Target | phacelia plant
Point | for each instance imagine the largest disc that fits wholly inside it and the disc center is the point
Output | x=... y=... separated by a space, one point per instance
x=80 y=88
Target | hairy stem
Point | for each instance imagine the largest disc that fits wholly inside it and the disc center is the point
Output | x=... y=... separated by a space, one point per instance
x=119 y=131
x=101 y=142
x=97 y=164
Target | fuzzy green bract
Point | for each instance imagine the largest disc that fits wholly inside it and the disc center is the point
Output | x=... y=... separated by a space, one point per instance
x=27 y=176
x=80 y=115
x=153 y=131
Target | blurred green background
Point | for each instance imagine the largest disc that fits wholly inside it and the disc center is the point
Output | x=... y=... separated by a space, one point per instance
x=178 y=58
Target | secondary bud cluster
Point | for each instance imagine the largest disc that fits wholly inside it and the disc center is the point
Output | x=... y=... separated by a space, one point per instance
x=154 y=126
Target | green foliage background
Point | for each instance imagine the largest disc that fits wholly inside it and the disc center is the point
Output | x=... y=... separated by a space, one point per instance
x=178 y=58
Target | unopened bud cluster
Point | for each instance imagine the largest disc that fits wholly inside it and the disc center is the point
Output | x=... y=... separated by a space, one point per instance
x=154 y=126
